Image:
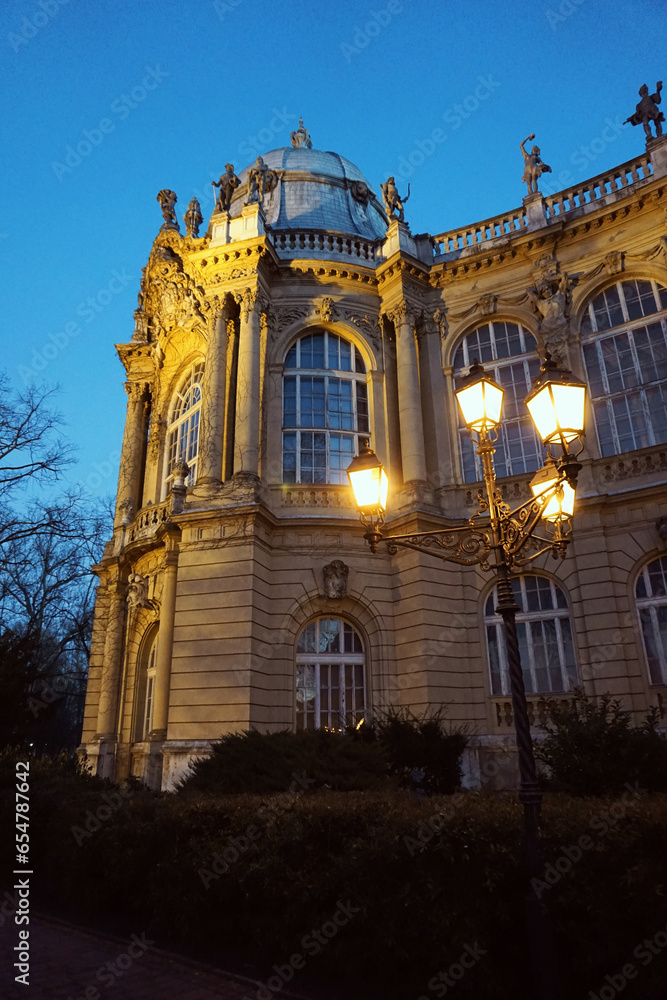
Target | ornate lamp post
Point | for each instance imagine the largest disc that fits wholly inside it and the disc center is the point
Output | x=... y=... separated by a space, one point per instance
x=501 y=540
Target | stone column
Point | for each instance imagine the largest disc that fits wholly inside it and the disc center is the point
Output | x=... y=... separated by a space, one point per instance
x=170 y=535
x=211 y=426
x=409 y=395
x=132 y=455
x=246 y=439
x=272 y=469
x=107 y=712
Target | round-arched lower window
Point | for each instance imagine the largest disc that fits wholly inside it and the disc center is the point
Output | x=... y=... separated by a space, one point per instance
x=624 y=335
x=544 y=632
x=651 y=597
x=330 y=688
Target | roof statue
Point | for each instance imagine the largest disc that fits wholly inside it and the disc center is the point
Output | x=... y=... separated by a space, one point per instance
x=301 y=137
x=228 y=183
x=167 y=201
x=193 y=218
x=261 y=180
x=393 y=202
x=647 y=111
x=534 y=166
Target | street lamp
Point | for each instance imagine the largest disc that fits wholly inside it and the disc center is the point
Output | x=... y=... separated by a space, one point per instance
x=502 y=541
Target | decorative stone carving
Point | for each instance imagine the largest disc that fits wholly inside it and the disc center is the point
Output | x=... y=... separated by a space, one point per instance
x=261 y=181
x=335 y=580
x=126 y=508
x=551 y=301
x=440 y=320
x=172 y=297
x=324 y=309
x=168 y=201
x=137 y=391
x=647 y=111
x=487 y=304
x=193 y=218
x=613 y=262
x=282 y=318
x=137 y=591
x=228 y=183
x=393 y=202
x=534 y=166
x=301 y=137
x=180 y=470
x=360 y=192
x=368 y=325
x=248 y=300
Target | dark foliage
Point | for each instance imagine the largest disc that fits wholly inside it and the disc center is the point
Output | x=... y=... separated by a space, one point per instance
x=593 y=748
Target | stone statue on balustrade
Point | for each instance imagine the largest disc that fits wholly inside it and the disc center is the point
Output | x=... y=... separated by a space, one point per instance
x=393 y=202
x=168 y=201
x=261 y=181
x=647 y=111
x=228 y=183
x=534 y=166
x=551 y=300
x=301 y=138
x=193 y=218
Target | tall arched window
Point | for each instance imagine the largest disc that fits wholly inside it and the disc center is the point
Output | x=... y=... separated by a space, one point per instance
x=626 y=365
x=330 y=690
x=145 y=686
x=508 y=352
x=183 y=429
x=544 y=632
x=323 y=413
x=651 y=595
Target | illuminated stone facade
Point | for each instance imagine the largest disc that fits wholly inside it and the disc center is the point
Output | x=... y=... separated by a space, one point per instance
x=238 y=591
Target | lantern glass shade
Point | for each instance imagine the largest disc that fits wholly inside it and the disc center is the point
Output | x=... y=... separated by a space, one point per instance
x=556 y=404
x=480 y=399
x=369 y=482
x=561 y=504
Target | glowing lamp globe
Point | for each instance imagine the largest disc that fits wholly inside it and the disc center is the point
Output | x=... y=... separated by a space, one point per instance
x=561 y=504
x=368 y=481
x=556 y=404
x=480 y=399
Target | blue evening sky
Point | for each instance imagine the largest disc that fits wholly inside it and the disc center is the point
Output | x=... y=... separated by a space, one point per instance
x=105 y=103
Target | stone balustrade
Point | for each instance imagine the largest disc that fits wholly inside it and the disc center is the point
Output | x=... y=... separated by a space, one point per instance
x=480 y=232
x=597 y=189
x=311 y=243
x=148 y=520
x=538 y=710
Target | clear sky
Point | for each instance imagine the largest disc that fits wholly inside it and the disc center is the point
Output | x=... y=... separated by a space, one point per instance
x=105 y=103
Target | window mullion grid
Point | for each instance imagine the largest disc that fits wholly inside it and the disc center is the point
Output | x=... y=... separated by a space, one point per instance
x=662 y=659
x=341 y=695
x=562 y=666
x=641 y=389
x=608 y=399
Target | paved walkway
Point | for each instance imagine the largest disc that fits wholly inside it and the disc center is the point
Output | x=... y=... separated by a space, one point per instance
x=68 y=963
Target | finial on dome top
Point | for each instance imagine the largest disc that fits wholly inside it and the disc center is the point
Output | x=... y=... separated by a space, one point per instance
x=301 y=137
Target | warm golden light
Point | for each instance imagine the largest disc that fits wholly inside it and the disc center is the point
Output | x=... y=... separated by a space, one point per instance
x=480 y=399
x=556 y=404
x=369 y=481
x=561 y=504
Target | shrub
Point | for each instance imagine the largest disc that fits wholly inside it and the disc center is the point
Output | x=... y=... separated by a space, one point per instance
x=420 y=750
x=592 y=748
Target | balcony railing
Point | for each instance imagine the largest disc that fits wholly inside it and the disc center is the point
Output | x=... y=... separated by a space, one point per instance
x=587 y=196
x=312 y=243
x=538 y=710
x=148 y=520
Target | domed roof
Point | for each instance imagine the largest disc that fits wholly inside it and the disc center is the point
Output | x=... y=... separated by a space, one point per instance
x=317 y=190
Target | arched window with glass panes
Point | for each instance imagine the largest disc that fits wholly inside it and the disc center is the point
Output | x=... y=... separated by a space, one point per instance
x=624 y=337
x=508 y=353
x=544 y=631
x=183 y=427
x=651 y=597
x=325 y=408
x=145 y=685
x=330 y=685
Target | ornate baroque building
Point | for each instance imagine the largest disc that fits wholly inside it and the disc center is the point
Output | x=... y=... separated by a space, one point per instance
x=238 y=590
